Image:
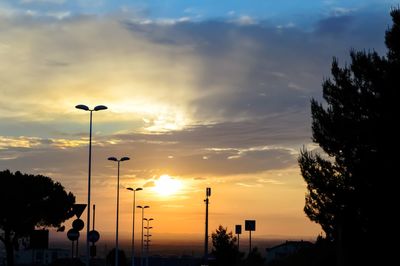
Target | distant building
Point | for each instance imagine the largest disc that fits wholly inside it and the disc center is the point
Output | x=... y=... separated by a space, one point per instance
x=40 y=256
x=285 y=249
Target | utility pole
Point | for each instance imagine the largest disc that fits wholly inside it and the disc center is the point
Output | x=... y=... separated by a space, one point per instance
x=208 y=194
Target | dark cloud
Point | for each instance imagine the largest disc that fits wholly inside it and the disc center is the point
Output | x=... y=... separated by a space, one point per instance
x=338 y=25
x=253 y=70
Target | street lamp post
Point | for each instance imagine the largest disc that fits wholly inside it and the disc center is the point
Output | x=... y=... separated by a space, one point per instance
x=85 y=108
x=207 y=201
x=148 y=227
x=142 y=207
x=133 y=223
x=116 y=227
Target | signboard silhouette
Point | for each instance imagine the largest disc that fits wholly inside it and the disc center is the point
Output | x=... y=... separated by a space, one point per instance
x=73 y=234
x=250 y=225
x=94 y=236
x=238 y=229
x=78 y=209
x=78 y=224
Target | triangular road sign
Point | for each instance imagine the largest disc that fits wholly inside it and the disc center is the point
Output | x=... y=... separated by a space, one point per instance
x=78 y=209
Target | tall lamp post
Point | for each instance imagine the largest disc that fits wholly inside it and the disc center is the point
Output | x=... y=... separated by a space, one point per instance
x=142 y=207
x=116 y=227
x=85 y=108
x=207 y=201
x=133 y=222
x=148 y=227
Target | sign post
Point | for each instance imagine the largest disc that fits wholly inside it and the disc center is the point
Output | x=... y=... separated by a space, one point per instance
x=238 y=231
x=250 y=225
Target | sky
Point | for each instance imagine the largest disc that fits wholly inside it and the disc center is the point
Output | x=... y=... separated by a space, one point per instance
x=199 y=94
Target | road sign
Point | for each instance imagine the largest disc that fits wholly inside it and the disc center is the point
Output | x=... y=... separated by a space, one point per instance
x=78 y=224
x=94 y=236
x=73 y=234
x=78 y=209
x=238 y=229
x=250 y=225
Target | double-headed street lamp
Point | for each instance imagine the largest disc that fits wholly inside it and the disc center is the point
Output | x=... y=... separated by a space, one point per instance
x=142 y=207
x=133 y=223
x=116 y=227
x=85 y=108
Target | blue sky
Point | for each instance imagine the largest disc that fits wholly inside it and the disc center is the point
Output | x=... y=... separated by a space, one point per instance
x=212 y=93
x=284 y=11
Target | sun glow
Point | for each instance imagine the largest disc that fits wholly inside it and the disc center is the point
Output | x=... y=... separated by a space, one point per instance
x=166 y=185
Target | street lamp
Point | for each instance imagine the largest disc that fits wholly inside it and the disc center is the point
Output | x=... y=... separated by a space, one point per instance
x=147 y=239
x=142 y=207
x=116 y=230
x=85 y=108
x=133 y=222
x=207 y=201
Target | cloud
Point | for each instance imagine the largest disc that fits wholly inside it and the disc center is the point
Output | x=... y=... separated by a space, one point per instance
x=221 y=98
x=43 y=1
x=244 y=20
x=149 y=184
x=59 y=2
x=248 y=185
x=270 y=181
x=59 y=15
x=341 y=11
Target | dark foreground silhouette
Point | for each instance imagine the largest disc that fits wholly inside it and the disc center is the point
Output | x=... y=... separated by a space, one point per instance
x=27 y=201
x=352 y=194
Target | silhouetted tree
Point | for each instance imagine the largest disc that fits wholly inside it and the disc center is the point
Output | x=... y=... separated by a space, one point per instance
x=27 y=201
x=254 y=258
x=225 y=250
x=351 y=194
x=110 y=258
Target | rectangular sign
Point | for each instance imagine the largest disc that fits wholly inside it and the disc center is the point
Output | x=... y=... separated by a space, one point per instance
x=250 y=225
x=238 y=229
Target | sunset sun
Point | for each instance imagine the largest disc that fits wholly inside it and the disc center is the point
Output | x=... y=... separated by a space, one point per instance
x=166 y=185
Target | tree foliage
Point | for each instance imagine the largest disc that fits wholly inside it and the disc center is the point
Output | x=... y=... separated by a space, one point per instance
x=254 y=258
x=357 y=129
x=110 y=258
x=225 y=250
x=27 y=201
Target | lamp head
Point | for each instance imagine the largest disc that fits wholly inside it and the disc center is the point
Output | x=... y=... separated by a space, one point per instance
x=129 y=188
x=112 y=159
x=139 y=188
x=124 y=159
x=82 y=107
x=100 y=107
